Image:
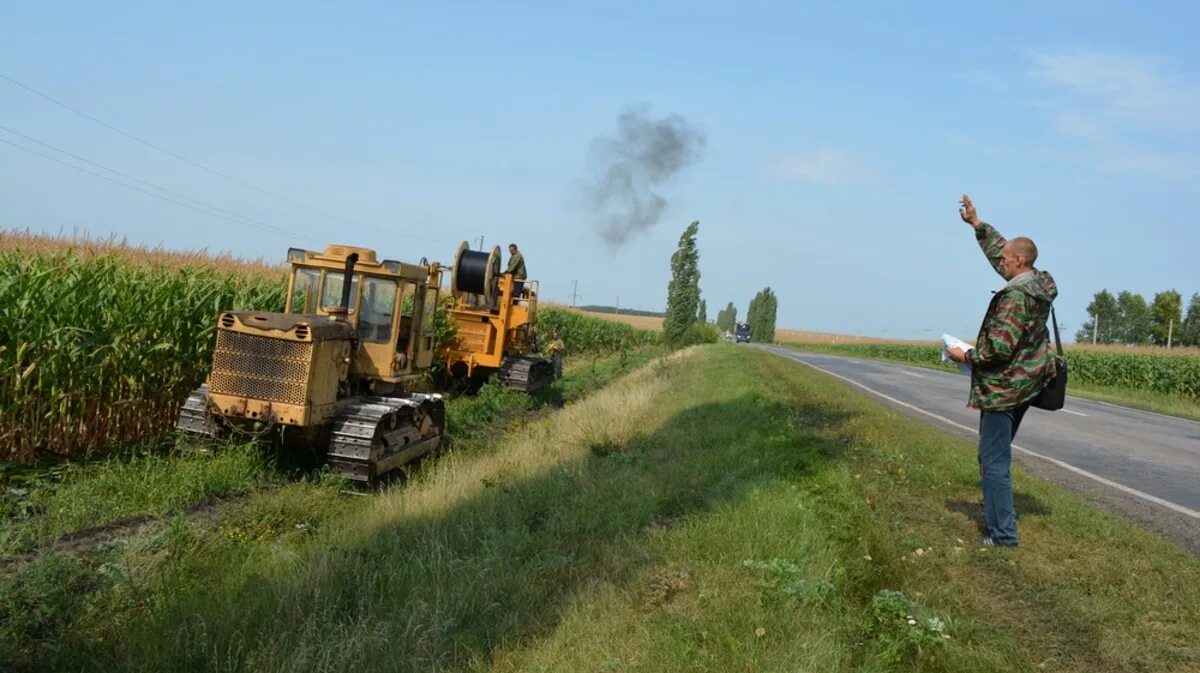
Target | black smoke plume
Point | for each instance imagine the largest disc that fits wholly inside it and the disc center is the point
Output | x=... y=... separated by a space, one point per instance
x=627 y=171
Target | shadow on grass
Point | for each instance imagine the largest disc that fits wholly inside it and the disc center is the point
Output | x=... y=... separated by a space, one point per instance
x=447 y=587
x=1025 y=504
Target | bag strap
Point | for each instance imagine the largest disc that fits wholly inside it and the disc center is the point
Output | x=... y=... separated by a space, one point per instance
x=1057 y=338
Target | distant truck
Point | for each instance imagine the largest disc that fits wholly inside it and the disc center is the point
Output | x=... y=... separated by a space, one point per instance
x=743 y=333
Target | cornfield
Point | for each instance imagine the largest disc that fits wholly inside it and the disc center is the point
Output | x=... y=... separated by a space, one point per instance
x=97 y=349
x=100 y=343
x=585 y=334
x=1152 y=372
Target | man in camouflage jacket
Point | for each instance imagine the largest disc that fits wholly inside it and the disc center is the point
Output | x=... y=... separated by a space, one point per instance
x=1010 y=364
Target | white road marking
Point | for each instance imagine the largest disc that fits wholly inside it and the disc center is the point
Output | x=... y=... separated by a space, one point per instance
x=1084 y=400
x=1077 y=413
x=1140 y=411
x=913 y=374
x=1066 y=466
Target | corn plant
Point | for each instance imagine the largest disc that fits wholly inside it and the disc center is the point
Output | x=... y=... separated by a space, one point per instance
x=96 y=350
x=1141 y=371
x=585 y=334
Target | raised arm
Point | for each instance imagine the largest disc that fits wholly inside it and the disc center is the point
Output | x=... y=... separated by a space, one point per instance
x=990 y=240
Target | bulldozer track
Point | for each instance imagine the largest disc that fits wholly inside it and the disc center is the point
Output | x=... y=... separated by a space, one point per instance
x=193 y=415
x=527 y=373
x=358 y=445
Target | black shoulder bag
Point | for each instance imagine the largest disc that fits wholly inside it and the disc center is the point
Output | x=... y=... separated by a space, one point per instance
x=1054 y=395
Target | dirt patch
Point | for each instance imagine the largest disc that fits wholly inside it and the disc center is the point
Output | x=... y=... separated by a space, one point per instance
x=206 y=510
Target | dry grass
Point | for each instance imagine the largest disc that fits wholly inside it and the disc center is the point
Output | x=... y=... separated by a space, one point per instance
x=740 y=515
x=613 y=416
x=86 y=247
x=1191 y=351
x=638 y=321
x=804 y=337
x=782 y=335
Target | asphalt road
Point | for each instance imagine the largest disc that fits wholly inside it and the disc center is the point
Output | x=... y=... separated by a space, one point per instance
x=1144 y=463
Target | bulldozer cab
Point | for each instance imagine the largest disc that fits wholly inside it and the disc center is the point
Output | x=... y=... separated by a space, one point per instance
x=390 y=305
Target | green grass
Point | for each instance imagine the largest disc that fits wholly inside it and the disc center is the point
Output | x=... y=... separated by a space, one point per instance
x=144 y=483
x=1146 y=400
x=39 y=505
x=716 y=510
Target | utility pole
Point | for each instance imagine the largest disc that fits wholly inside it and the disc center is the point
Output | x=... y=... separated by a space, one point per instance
x=1095 y=328
x=1170 y=330
x=574 y=292
x=481 y=243
x=618 y=304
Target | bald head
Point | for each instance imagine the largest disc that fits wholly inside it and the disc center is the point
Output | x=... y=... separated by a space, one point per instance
x=1017 y=257
x=1024 y=247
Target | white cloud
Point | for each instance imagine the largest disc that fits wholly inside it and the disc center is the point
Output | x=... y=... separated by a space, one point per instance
x=1108 y=157
x=825 y=165
x=1128 y=89
x=1164 y=165
x=1123 y=112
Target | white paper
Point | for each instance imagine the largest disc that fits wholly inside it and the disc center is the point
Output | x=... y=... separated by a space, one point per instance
x=949 y=342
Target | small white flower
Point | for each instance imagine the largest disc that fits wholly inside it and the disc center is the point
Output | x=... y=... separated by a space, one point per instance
x=912 y=622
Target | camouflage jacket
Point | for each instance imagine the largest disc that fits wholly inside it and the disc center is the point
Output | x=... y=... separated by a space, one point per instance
x=1012 y=360
x=516 y=266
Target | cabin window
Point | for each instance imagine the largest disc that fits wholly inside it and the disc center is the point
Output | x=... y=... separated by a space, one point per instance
x=304 y=290
x=376 y=310
x=331 y=294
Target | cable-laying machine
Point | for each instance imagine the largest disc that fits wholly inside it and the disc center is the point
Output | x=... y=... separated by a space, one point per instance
x=494 y=317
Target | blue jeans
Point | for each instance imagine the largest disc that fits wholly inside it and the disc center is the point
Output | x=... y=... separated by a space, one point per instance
x=997 y=429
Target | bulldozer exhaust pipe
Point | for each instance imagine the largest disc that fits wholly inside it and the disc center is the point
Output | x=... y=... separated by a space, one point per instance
x=351 y=259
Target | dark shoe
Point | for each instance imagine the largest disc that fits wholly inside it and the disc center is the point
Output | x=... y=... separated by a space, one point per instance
x=989 y=542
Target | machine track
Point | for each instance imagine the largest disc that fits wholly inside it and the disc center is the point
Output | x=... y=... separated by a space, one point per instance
x=194 y=420
x=528 y=373
x=371 y=436
x=368 y=437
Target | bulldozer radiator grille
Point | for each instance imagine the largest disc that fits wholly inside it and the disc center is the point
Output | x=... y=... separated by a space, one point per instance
x=260 y=367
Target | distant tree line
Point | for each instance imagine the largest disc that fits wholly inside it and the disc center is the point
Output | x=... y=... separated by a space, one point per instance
x=1129 y=319
x=760 y=316
x=686 y=319
x=593 y=308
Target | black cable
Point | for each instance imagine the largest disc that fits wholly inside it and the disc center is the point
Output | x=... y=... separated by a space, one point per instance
x=471 y=271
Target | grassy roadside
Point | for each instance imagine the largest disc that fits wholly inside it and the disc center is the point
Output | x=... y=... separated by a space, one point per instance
x=717 y=510
x=1159 y=403
x=156 y=479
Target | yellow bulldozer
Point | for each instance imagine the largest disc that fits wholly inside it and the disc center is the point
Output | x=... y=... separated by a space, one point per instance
x=343 y=369
x=340 y=369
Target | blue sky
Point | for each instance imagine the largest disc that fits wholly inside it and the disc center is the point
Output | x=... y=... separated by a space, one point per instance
x=838 y=140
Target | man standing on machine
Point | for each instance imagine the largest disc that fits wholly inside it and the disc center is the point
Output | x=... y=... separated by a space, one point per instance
x=516 y=267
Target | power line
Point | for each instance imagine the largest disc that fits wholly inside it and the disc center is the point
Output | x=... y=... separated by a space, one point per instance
x=202 y=167
x=139 y=189
x=185 y=197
